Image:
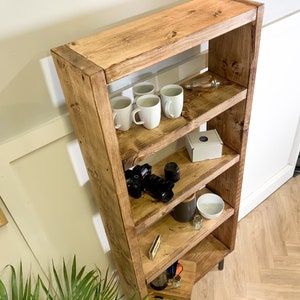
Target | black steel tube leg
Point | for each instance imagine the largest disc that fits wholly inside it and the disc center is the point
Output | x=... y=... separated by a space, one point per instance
x=221 y=265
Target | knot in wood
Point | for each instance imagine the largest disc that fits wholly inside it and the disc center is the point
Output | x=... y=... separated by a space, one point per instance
x=172 y=34
x=236 y=67
x=224 y=64
x=217 y=13
x=75 y=106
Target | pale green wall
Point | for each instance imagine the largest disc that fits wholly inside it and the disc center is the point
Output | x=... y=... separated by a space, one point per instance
x=50 y=214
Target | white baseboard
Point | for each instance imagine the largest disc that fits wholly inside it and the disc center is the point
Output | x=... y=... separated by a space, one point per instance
x=252 y=201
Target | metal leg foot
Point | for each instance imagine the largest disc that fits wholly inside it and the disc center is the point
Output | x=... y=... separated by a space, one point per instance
x=221 y=265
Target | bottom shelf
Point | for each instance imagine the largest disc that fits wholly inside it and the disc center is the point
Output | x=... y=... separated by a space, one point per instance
x=206 y=255
x=183 y=292
x=196 y=263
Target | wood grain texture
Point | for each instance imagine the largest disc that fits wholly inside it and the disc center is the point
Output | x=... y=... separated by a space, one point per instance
x=200 y=105
x=177 y=239
x=265 y=263
x=194 y=176
x=235 y=55
x=212 y=250
x=91 y=117
x=141 y=43
x=184 y=292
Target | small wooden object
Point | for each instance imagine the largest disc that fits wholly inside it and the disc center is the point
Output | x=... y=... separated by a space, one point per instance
x=154 y=247
x=3 y=220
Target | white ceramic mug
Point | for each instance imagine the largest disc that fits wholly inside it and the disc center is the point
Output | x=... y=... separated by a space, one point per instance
x=172 y=100
x=143 y=88
x=122 y=108
x=149 y=110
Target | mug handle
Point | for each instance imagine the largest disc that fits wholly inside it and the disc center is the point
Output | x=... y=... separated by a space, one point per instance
x=168 y=109
x=134 y=112
x=117 y=126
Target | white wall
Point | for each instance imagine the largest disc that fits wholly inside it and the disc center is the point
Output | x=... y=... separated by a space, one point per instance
x=277 y=9
x=12 y=245
x=50 y=212
x=26 y=36
x=274 y=141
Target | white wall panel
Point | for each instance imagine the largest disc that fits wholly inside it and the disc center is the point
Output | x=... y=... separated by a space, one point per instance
x=275 y=113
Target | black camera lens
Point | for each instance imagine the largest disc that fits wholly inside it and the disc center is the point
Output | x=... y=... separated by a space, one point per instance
x=140 y=179
x=159 y=188
x=172 y=172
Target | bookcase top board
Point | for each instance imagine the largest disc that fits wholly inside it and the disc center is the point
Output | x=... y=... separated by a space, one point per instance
x=133 y=46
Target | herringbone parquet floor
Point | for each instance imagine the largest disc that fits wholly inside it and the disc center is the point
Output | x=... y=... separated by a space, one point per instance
x=266 y=261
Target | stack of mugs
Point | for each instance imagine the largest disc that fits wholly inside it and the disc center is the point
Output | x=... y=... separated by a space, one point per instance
x=147 y=106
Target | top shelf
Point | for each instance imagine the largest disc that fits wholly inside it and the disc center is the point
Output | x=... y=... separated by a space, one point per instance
x=133 y=46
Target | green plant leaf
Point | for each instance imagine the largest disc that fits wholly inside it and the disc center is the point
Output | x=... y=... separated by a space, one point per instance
x=87 y=291
x=21 y=282
x=46 y=290
x=73 y=274
x=36 y=293
x=14 y=285
x=85 y=282
x=66 y=280
x=108 y=288
x=90 y=290
x=28 y=284
x=57 y=280
x=78 y=277
x=72 y=285
x=3 y=291
x=25 y=292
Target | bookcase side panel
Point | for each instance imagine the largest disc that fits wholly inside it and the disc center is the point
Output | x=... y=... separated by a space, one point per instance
x=230 y=54
x=86 y=95
x=228 y=186
x=234 y=56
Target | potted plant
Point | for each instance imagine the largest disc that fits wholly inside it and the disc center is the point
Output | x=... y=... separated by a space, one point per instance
x=69 y=285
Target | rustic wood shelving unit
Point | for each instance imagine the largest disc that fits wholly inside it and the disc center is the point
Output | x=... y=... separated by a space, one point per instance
x=86 y=67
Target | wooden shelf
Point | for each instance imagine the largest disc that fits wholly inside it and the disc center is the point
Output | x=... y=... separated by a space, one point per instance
x=194 y=175
x=177 y=239
x=206 y=255
x=196 y=263
x=200 y=105
x=183 y=292
x=144 y=42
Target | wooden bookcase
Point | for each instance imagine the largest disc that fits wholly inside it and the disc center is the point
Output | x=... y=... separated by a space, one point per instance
x=86 y=67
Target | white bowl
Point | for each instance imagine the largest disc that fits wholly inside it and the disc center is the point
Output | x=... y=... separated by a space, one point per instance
x=210 y=205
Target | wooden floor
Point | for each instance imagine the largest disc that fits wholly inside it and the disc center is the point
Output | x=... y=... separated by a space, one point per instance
x=266 y=261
